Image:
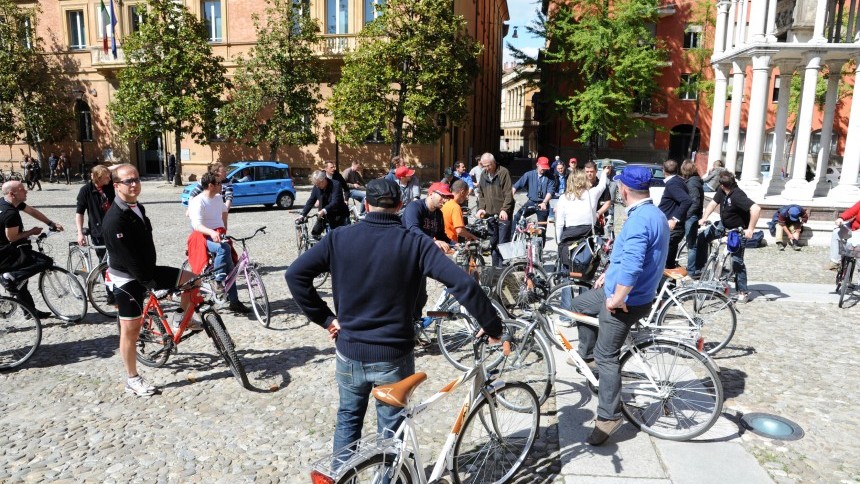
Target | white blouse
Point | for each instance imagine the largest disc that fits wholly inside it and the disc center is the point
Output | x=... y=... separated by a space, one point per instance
x=571 y=212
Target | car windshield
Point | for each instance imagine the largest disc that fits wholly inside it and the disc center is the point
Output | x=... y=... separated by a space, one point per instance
x=233 y=167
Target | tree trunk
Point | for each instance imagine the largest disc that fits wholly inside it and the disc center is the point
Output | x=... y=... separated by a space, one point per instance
x=398 y=115
x=177 y=134
x=273 y=151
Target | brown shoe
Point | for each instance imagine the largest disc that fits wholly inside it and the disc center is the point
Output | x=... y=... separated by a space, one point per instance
x=602 y=430
x=831 y=266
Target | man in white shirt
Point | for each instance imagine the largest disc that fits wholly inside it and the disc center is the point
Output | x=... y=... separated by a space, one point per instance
x=208 y=215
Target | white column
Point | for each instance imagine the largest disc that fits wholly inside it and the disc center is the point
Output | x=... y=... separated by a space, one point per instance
x=821 y=187
x=771 y=23
x=718 y=117
x=848 y=191
x=751 y=174
x=739 y=71
x=795 y=189
x=742 y=22
x=731 y=29
x=777 y=160
x=720 y=29
x=758 y=17
x=820 y=17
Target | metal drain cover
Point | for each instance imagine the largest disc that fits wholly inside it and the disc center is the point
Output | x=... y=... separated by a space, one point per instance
x=771 y=426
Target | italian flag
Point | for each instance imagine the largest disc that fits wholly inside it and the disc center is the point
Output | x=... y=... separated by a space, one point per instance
x=105 y=34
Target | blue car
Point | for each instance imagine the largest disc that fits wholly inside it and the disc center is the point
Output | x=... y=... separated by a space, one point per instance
x=264 y=183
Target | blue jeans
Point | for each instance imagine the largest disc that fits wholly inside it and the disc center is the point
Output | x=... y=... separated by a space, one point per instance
x=223 y=257
x=355 y=380
x=699 y=253
x=358 y=196
x=502 y=234
x=691 y=229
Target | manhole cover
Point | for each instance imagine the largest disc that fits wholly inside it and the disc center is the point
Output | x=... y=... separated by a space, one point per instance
x=771 y=426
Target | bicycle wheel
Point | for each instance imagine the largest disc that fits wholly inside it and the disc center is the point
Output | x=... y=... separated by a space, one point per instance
x=154 y=343
x=725 y=268
x=20 y=333
x=257 y=294
x=681 y=258
x=376 y=469
x=709 y=272
x=561 y=297
x=520 y=294
x=320 y=280
x=669 y=390
x=456 y=333
x=497 y=436
x=531 y=360
x=63 y=294
x=710 y=312
x=77 y=263
x=97 y=292
x=224 y=344
x=301 y=240
x=847 y=275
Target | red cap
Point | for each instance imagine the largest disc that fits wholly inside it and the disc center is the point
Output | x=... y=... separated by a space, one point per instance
x=402 y=171
x=572 y=160
x=441 y=189
x=543 y=162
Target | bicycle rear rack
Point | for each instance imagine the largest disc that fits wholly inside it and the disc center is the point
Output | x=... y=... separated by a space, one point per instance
x=338 y=464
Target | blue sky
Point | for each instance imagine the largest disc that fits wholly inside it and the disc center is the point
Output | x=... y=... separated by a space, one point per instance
x=522 y=13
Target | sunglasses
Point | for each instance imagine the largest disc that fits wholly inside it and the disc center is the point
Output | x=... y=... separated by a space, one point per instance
x=130 y=181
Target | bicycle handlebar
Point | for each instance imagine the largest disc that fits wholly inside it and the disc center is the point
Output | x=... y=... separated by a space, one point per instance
x=261 y=229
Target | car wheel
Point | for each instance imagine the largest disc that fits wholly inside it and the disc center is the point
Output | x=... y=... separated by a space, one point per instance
x=285 y=200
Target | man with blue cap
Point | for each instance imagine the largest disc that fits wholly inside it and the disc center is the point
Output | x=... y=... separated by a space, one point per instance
x=790 y=220
x=623 y=294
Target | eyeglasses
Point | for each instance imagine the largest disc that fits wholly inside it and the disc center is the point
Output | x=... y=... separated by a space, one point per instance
x=130 y=181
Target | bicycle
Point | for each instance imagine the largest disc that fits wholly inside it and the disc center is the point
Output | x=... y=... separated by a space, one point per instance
x=491 y=437
x=20 y=333
x=95 y=278
x=305 y=241
x=253 y=281
x=718 y=266
x=847 y=264
x=524 y=281
x=158 y=339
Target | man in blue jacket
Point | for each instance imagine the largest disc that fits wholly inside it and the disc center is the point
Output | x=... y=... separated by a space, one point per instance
x=623 y=294
x=373 y=329
x=675 y=203
x=328 y=195
x=540 y=184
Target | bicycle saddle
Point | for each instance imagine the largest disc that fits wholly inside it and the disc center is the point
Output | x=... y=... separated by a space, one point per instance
x=676 y=273
x=398 y=394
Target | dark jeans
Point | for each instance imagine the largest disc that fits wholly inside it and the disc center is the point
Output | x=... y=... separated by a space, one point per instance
x=501 y=234
x=333 y=221
x=691 y=230
x=699 y=253
x=355 y=380
x=675 y=238
x=34 y=262
x=606 y=345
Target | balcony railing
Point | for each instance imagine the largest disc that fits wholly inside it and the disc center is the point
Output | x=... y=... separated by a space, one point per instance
x=106 y=61
x=332 y=45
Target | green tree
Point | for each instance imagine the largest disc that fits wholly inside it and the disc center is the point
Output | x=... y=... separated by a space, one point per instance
x=409 y=76
x=172 y=82
x=611 y=60
x=34 y=91
x=276 y=100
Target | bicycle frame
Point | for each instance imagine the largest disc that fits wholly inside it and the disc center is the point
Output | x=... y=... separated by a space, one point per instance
x=196 y=301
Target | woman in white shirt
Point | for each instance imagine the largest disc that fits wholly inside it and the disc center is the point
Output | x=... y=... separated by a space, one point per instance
x=576 y=210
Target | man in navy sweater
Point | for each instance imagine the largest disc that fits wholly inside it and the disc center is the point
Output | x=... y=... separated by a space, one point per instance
x=675 y=203
x=373 y=330
x=623 y=294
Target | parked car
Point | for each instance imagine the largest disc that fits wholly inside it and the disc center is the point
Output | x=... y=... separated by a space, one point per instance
x=657 y=180
x=266 y=183
x=614 y=161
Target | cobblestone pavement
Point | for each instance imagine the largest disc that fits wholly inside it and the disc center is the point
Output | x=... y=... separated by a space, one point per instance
x=65 y=416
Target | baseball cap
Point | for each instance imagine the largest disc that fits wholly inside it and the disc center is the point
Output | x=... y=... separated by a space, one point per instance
x=543 y=162
x=382 y=193
x=440 y=188
x=402 y=171
x=572 y=160
x=635 y=177
x=794 y=214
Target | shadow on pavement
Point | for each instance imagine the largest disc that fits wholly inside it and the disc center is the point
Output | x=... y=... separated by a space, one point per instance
x=60 y=354
x=734 y=382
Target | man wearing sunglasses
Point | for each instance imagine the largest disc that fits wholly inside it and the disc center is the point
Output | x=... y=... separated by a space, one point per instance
x=127 y=233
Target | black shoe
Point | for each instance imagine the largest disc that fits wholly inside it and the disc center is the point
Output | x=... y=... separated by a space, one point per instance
x=110 y=300
x=40 y=314
x=238 y=307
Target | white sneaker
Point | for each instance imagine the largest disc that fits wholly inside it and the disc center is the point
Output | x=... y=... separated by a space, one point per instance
x=196 y=324
x=138 y=386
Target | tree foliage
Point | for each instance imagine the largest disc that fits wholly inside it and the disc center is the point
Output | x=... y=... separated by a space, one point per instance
x=276 y=100
x=35 y=104
x=172 y=82
x=410 y=74
x=611 y=60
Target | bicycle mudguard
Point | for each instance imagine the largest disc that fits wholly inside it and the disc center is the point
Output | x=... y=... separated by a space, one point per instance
x=651 y=337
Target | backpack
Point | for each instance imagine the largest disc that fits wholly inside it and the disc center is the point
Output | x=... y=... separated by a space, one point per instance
x=733 y=242
x=756 y=241
x=581 y=257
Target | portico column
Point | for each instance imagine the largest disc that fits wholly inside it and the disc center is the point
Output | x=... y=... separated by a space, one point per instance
x=730 y=31
x=795 y=188
x=821 y=188
x=742 y=22
x=720 y=29
x=755 y=122
x=770 y=28
x=820 y=16
x=739 y=71
x=777 y=160
x=848 y=191
x=758 y=17
x=718 y=117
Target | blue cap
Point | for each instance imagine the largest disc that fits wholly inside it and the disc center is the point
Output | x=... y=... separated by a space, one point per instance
x=635 y=177
x=794 y=214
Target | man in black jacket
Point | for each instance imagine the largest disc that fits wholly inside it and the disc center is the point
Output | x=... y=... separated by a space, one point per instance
x=675 y=203
x=332 y=207
x=128 y=237
x=373 y=329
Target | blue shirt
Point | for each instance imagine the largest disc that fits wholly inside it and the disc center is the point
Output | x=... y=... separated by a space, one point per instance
x=467 y=179
x=639 y=254
x=538 y=185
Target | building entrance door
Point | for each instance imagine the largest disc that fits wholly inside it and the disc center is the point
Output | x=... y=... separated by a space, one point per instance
x=149 y=156
x=679 y=141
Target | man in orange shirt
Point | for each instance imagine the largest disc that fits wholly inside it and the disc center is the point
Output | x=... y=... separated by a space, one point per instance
x=452 y=213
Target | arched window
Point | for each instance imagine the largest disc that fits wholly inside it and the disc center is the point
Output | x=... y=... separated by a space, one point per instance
x=84 y=117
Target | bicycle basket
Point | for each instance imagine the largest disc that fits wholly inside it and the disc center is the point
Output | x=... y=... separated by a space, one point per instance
x=848 y=250
x=337 y=464
x=513 y=250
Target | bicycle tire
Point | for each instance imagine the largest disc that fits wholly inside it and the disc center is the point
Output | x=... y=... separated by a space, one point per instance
x=97 y=292
x=709 y=272
x=531 y=360
x=681 y=257
x=714 y=316
x=369 y=471
x=688 y=400
x=846 y=280
x=77 y=264
x=154 y=343
x=20 y=333
x=63 y=294
x=478 y=460
x=454 y=335
x=555 y=299
x=258 y=297
x=301 y=240
x=224 y=344
x=726 y=268
x=516 y=295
